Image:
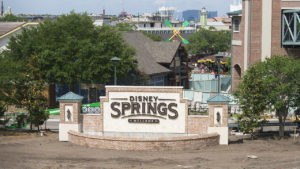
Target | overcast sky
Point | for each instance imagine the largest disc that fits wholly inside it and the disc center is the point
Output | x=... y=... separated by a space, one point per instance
x=111 y=6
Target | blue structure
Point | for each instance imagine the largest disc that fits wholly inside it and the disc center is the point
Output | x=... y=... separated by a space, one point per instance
x=191 y=15
x=212 y=14
x=194 y=15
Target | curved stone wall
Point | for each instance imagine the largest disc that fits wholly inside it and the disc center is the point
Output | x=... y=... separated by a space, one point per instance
x=160 y=144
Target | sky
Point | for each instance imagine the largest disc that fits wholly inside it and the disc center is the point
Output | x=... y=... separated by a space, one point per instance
x=111 y=6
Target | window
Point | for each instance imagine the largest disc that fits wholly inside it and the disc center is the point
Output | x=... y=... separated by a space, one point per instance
x=290 y=27
x=236 y=25
x=157 y=81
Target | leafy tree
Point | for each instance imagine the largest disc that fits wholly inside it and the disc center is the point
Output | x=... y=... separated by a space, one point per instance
x=12 y=18
x=71 y=50
x=28 y=92
x=152 y=36
x=228 y=64
x=209 y=41
x=8 y=74
x=251 y=95
x=272 y=85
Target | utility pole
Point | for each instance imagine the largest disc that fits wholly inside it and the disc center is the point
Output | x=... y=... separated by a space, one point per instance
x=219 y=57
x=2 y=9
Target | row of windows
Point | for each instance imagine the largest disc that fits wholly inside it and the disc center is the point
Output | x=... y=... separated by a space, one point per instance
x=169 y=32
x=152 y=25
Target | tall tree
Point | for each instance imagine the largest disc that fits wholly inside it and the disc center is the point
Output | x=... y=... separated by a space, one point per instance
x=272 y=85
x=71 y=50
x=251 y=95
x=209 y=41
x=29 y=93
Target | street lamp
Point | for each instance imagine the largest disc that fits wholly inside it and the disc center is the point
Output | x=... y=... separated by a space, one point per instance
x=115 y=60
x=219 y=56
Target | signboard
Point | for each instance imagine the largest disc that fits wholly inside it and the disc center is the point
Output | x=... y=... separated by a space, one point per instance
x=150 y=112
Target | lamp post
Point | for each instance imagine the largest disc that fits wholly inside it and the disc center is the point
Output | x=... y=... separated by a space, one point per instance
x=219 y=57
x=115 y=60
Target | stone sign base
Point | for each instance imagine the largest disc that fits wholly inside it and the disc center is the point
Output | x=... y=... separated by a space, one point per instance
x=151 y=144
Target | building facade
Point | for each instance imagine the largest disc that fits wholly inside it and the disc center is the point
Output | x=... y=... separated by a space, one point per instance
x=262 y=29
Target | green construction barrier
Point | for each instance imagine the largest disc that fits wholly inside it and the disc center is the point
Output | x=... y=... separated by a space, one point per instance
x=12 y=123
x=57 y=112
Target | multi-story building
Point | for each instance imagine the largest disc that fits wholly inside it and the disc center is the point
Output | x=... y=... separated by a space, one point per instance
x=262 y=29
x=155 y=24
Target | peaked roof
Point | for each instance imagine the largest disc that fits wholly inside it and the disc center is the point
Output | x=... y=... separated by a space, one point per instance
x=6 y=27
x=150 y=53
x=218 y=98
x=70 y=96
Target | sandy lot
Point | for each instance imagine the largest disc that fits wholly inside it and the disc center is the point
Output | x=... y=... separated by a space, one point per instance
x=30 y=150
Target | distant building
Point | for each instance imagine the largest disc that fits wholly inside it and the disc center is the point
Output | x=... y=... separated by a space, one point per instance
x=219 y=23
x=102 y=21
x=191 y=15
x=211 y=14
x=194 y=15
x=155 y=24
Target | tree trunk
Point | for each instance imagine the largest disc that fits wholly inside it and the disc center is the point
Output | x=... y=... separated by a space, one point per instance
x=72 y=87
x=281 y=126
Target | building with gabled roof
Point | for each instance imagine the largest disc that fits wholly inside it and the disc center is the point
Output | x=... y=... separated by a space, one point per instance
x=165 y=63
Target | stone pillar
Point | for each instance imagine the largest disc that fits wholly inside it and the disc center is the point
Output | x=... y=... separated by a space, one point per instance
x=70 y=109
x=218 y=116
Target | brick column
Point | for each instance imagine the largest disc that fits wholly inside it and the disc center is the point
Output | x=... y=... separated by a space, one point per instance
x=218 y=116
x=70 y=109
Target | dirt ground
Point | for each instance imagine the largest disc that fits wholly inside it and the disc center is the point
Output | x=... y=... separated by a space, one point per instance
x=30 y=150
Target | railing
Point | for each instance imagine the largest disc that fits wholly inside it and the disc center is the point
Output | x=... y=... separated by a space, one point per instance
x=198 y=109
x=210 y=85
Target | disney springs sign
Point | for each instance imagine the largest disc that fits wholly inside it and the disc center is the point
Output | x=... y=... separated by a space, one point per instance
x=144 y=110
x=144 y=106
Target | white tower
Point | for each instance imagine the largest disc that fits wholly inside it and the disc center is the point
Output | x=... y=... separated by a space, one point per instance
x=235 y=5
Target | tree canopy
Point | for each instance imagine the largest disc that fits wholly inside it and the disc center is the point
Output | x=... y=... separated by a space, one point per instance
x=12 y=18
x=209 y=41
x=71 y=49
x=272 y=85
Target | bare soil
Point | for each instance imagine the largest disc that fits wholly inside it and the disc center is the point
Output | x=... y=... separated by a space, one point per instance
x=30 y=150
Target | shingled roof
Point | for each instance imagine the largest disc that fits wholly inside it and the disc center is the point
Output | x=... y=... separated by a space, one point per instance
x=150 y=53
x=6 y=27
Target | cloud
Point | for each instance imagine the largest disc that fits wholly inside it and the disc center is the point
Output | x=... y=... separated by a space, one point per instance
x=160 y=2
